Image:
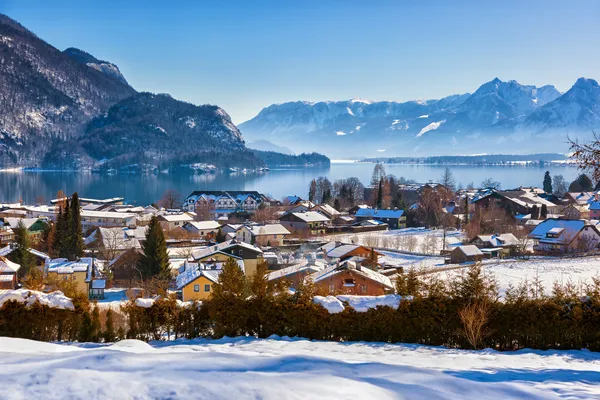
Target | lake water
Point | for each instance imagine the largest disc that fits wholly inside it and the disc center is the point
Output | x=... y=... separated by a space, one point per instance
x=35 y=186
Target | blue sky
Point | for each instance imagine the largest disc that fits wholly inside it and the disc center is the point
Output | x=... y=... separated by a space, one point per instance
x=246 y=55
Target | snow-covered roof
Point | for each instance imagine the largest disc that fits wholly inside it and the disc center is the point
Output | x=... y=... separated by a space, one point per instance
x=267 y=229
x=505 y=239
x=342 y=250
x=14 y=222
x=563 y=231
x=7 y=266
x=105 y=214
x=372 y=213
x=221 y=247
x=204 y=225
x=350 y=265
x=311 y=216
x=180 y=217
x=294 y=269
x=470 y=250
x=194 y=272
x=327 y=209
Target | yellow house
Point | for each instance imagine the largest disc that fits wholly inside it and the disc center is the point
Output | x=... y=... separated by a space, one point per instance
x=79 y=272
x=196 y=282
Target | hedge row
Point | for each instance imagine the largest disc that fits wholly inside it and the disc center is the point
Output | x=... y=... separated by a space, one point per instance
x=462 y=313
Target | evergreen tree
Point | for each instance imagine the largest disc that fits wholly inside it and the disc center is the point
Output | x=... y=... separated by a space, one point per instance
x=544 y=212
x=547 y=182
x=408 y=283
x=22 y=255
x=232 y=281
x=62 y=239
x=96 y=330
x=326 y=195
x=109 y=331
x=582 y=184
x=467 y=211
x=336 y=204
x=220 y=237
x=312 y=191
x=380 y=195
x=535 y=212
x=154 y=260
x=86 y=329
x=75 y=245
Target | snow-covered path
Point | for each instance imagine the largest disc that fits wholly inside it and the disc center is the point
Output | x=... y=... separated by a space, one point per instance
x=245 y=368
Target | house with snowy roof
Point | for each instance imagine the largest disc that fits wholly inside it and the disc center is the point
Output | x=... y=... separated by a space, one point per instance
x=222 y=203
x=351 y=278
x=196 y=282
x=513 y=201
x=249 y=254
x=594 y=209
x=579 y=197
x=40 y=257
x=173 y=220
x=394 y=218
x=295 y=274
x=8 y=273
x=466 y=253
x=326 y=210
x=83 y=273
x=203 y=229
x=110 y=242
x=310 y=222
x=504 y=244
x=565 y=236
x=342 y=251
x=262 y=234
x=35 y=226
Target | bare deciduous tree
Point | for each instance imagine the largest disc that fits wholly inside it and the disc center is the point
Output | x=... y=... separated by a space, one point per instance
x=474 y=318
x=170 y=199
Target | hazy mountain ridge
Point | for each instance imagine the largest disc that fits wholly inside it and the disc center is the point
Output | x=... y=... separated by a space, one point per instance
x=498 y=117
x=45 y=95
x=70 y=110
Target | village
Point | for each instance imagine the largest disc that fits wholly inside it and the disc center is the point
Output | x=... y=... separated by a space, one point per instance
x=342 y=238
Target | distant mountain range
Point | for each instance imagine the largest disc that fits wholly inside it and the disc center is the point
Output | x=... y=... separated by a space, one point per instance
x=69 y=110
x=499 y=117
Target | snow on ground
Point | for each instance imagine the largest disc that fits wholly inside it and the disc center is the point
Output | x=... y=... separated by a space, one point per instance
x=333 y=304
x=547 y=270
x=431 y=127
x=420 y=240
x=275 y=368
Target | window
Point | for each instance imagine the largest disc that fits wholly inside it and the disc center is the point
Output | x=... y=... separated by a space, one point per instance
x=196 y=288
x=363 y=288
x=331 y=288
x=207 y=288
x=349 y=282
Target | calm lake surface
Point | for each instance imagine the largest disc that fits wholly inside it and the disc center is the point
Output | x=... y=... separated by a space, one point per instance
x=43 y=186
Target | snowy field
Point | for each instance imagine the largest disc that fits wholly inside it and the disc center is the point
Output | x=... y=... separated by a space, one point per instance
x=418 y=240
x=246 y=368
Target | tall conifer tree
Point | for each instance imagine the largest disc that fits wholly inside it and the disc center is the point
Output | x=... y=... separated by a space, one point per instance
x=22 y=255
x=154 y=260
x=75 y=243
